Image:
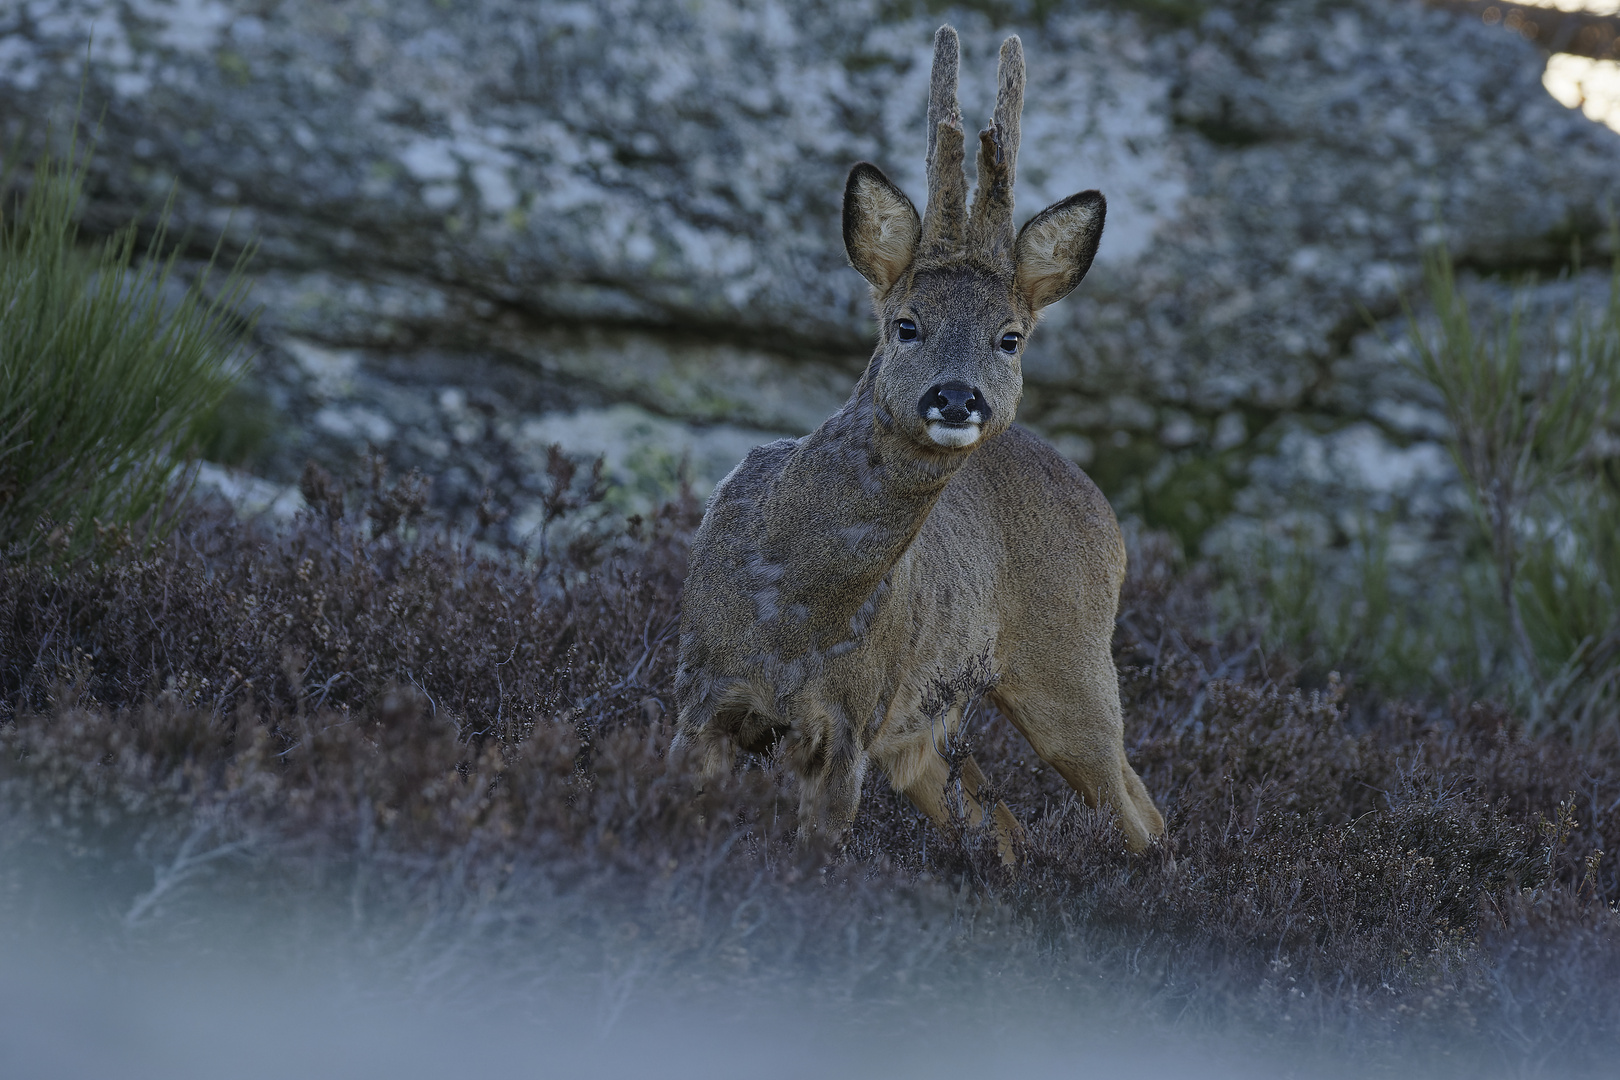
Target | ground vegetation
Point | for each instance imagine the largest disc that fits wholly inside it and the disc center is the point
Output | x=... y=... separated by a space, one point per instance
x=365 y=705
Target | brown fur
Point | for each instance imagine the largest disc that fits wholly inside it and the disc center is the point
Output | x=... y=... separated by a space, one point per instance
x=835 y=578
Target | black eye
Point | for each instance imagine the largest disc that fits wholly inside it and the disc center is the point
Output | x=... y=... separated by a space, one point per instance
x=1010 y=341
x=906 y=330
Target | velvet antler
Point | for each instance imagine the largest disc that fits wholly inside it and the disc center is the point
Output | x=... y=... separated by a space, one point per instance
x=990 y=229
x=945 y=217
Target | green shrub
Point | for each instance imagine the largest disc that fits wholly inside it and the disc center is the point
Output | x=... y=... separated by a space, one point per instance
x=1526 y=604
x=241 y=431
x=1346 y=612
x=106 y=382
x=1533 y=419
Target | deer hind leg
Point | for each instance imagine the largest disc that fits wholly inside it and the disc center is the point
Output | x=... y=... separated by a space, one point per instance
x=1074 y=722
x=924 y=775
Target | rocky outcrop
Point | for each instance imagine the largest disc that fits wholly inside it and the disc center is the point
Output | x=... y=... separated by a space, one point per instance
x=479 y=220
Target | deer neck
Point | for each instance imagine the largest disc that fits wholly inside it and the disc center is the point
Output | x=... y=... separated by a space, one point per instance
x=847 y=506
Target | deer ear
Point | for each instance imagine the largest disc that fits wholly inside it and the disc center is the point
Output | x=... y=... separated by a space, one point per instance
x=1054 y=249
x=881 y=227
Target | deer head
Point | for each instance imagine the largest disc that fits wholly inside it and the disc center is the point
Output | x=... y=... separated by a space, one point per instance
x=957 y=294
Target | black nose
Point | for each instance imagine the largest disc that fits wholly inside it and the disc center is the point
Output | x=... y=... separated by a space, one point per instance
x=955 y=400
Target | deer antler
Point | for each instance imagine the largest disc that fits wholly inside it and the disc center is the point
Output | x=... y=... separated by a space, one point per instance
x=990 y=229
x=943 y=229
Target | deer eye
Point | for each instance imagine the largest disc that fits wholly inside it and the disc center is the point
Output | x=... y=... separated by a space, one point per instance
x=1010 y=342
x=906 y=330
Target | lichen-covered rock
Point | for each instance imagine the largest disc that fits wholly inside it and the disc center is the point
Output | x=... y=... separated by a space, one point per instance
x=550 y=208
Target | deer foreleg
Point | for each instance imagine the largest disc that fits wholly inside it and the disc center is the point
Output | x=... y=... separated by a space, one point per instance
x=926 y=782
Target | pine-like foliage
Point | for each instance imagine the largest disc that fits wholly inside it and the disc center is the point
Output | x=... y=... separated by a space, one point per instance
x=109 y=370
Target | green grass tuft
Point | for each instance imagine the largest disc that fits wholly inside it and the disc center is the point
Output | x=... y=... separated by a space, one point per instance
x=107 y=382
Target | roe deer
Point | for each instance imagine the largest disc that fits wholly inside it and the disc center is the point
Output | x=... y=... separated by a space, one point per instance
x=835 y=578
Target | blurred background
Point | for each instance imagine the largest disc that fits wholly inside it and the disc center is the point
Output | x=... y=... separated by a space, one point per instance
x=488 y=227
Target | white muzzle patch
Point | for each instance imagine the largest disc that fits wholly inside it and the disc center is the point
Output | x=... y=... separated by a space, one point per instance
x=954 y=435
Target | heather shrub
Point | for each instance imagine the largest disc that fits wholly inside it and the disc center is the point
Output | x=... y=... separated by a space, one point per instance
x=367 y=701
x=107 y=381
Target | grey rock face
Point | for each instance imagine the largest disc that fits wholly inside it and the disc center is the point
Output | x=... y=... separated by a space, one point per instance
x=550 y=208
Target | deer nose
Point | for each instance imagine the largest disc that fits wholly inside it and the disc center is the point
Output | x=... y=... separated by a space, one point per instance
x=954 y=402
